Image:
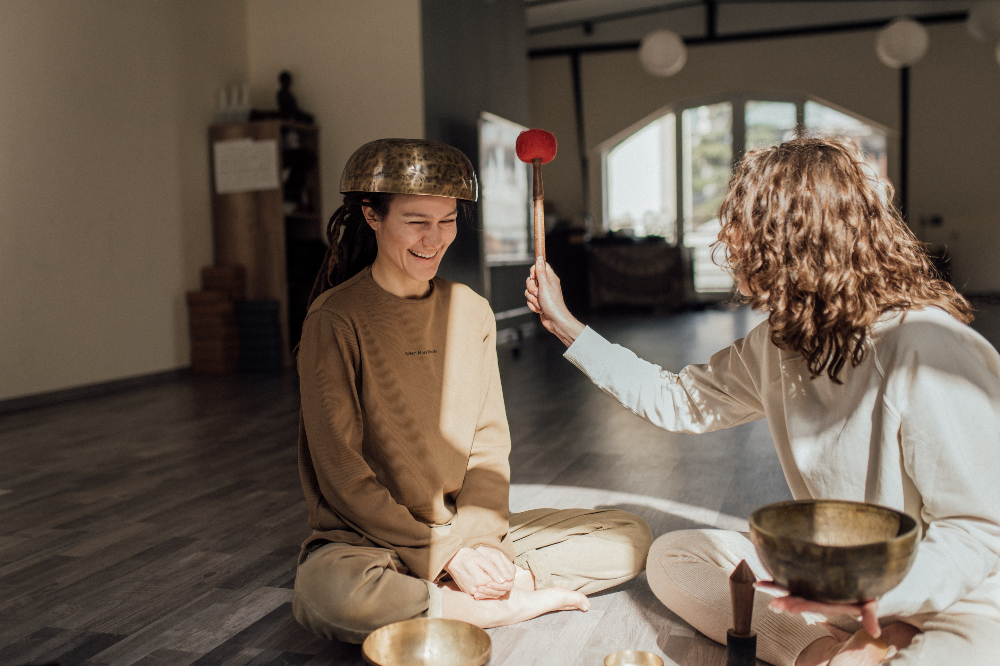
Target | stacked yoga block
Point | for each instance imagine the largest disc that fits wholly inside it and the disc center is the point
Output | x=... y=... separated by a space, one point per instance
x=228 y=332
x=215 y=342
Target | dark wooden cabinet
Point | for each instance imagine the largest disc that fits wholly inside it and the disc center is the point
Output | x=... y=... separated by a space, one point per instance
x=261 y=229
x=647 y=273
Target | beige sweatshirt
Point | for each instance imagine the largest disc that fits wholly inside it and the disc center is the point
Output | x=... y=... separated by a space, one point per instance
x=403 y=428
x=915 y=427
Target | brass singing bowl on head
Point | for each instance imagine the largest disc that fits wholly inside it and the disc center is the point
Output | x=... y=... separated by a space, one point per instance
x=832 y=550
x=632 y=658
x=427 y=642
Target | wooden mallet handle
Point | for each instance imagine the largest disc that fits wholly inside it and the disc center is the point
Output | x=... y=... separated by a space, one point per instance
x=538 y=198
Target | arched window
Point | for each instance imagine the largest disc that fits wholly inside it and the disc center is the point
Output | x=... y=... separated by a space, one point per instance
x=667 y=178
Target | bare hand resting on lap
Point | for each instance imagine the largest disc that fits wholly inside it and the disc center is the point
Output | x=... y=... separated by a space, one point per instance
x=483 y=572
x=869 y=646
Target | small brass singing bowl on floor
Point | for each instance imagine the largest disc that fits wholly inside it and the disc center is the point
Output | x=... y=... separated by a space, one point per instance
x=832 y=550
x=427 y=642
x=632 y=658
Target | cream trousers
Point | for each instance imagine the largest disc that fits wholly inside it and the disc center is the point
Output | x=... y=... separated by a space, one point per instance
x=689 y=570
x=346 y=592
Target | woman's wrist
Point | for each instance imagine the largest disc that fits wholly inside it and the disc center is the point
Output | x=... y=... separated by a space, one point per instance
x=567 y=329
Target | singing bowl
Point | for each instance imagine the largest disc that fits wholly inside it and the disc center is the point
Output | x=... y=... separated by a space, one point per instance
x=632 y=658
x=427 y=642
x=834 y=551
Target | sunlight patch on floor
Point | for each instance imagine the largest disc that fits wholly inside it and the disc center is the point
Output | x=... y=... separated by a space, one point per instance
x=524 y=496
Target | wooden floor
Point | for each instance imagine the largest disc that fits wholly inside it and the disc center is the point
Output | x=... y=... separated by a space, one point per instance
x=161 y=526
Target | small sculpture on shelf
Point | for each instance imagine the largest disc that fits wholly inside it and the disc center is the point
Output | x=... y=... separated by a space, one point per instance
x=286 y=101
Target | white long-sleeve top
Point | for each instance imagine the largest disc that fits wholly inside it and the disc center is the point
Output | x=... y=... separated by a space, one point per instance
x=915 y=427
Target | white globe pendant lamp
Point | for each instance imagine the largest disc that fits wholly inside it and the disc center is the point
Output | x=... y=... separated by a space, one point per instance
x=662 y=53
x=902 y=43
x=984 y=22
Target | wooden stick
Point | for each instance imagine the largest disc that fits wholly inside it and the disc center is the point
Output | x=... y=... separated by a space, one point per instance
x=538 y=195
x=742 y=593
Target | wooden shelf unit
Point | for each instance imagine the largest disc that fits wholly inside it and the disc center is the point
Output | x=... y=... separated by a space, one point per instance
x=252 y=229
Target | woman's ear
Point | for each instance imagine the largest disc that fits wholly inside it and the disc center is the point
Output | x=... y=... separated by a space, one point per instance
x=370 y=217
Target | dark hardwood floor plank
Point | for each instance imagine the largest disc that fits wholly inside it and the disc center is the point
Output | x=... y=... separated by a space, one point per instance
x=156 y=634
x=36 y=642
x=168 y=658
x=231 y=621
x=74 y=577
x=80 y=649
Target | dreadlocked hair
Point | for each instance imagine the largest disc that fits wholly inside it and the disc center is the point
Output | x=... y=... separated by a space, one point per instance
x=814 y=243
x=351 y=240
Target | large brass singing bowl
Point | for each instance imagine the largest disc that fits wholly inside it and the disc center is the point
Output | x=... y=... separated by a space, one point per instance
x=427 y=642
x=835 y=551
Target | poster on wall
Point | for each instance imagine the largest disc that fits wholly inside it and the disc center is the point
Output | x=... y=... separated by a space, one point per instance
x=245 y=165
x=505 y=193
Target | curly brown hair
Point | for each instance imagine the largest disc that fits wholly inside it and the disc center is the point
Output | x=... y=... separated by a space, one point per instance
x=811 y=241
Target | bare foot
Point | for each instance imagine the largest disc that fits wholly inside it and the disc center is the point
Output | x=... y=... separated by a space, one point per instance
x=522 y=603
x=526 y=605
x=860 y=649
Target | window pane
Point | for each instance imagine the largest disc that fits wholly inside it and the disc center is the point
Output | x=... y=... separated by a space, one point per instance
x=642 y=182
x=769 y=123
x=707 y=133
x=829 y=121
x=708 y=157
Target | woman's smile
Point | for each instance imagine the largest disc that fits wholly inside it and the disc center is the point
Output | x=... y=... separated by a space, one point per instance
x=427 y=256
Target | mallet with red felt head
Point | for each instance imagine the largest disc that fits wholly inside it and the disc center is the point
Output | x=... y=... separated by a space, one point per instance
x=537 y=147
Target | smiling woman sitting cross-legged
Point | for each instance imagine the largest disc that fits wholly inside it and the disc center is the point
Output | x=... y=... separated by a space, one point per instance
x=403 y=442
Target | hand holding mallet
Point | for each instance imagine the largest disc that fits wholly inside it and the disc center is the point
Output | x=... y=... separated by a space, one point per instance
x=543 y=292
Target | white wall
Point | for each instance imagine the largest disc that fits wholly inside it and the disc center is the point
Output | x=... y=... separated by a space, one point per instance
x=954 y=143
x=357 y=66
x=104 y=202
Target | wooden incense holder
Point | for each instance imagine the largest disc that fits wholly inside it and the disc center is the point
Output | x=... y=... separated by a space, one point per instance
x=741 y=641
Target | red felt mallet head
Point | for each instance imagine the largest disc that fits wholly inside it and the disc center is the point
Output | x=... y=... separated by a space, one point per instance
x=536 y=144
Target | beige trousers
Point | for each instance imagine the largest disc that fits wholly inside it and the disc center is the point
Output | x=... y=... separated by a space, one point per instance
x=689 y=571
x=346 y=592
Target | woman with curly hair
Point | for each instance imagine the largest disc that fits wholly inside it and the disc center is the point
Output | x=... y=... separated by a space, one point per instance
x=874 y=389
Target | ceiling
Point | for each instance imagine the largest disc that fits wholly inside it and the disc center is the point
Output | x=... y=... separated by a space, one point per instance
x=567 y=23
